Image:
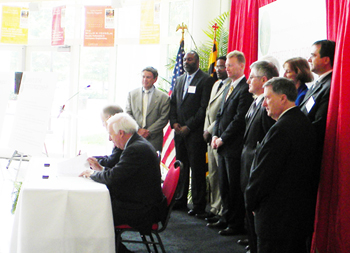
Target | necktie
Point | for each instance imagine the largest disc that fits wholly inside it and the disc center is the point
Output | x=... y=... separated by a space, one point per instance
x=313 y=86
x=187 y=83
x=252 y=109
x=229 y=92
x=144 y=107
x=219 y=87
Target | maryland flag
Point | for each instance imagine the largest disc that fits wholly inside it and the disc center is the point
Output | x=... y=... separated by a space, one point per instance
x=212 y=60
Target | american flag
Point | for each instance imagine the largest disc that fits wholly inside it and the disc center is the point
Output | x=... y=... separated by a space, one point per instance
x=168 y=154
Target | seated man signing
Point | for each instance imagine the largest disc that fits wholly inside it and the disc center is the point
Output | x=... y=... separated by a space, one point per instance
x=135 y=181
x=112 y=159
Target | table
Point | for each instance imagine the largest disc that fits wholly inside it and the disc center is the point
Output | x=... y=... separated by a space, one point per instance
x=62 y=215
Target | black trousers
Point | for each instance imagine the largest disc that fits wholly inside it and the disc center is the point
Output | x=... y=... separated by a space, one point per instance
x=289 y=244
x=192 y=154
x=232 y=197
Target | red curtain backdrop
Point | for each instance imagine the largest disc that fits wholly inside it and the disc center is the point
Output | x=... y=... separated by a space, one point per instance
x=332 y=224
x=244 y=25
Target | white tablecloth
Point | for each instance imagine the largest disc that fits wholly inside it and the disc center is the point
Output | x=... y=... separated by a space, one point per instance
x=63 y=215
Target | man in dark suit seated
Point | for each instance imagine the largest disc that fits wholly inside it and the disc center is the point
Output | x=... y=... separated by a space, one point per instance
x=282 y=187
x=135 y=181
x=112 y=159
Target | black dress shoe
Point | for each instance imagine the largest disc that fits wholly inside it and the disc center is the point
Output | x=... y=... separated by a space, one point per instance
x=214 y=219
x=247 y=247
x=219 y=224
x=231 y=231
x=192 y=212
x=244 y=242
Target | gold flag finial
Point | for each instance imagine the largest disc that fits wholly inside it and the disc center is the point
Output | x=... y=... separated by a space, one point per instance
x=182 y=27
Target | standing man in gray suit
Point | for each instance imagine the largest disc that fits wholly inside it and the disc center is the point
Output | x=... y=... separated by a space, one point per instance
x=150 y=108
x=209 y=123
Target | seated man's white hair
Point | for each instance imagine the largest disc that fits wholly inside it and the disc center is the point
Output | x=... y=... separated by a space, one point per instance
x=124 y=122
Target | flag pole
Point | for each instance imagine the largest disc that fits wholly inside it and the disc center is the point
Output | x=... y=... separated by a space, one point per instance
x=182 y=27
x=168 y=156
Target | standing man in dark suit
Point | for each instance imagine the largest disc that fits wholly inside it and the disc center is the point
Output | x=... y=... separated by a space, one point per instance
x=150 y=108
x=228 y=140
x=257 y=125
x=135 y=181
x=315 y=103
x=188 y=103
x=209 y=123
x=281 y=190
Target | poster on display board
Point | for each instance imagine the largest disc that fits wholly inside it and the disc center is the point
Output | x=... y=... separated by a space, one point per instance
x=99 y=26
x=150 y=22
x=14 y=25
x=58 y=26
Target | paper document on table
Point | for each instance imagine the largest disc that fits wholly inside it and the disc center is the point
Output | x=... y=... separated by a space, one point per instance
x=73 y=167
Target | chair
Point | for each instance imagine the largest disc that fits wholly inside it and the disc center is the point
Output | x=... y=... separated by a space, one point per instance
x=170 y=188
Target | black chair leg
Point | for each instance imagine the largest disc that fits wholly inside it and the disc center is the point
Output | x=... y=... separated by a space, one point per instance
x=160 y=242
x=143 y=237
x=154 y=243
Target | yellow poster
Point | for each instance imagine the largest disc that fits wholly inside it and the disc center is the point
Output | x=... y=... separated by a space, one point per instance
x=14 y=27
x=150 y=19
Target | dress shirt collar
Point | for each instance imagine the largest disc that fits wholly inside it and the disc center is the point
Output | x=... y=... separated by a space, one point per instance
x=286 y=111
x=259 y=98
x=150 y=90
x=236 y=82
x=324 y=75
x=192 y=75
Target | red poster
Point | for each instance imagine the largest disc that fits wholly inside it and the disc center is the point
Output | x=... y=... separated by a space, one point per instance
x=58 y=25
x=99 y=26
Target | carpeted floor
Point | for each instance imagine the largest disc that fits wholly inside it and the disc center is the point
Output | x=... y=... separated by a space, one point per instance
x=190 y=234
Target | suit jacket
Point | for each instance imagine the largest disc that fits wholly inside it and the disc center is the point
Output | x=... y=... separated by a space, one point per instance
x=111 y=160
x=214 y=105
x=282 y=185
x=257 y=125
x=318 y=112
x=230 y=120
x=190 y=111
x=157 y=114
x=135 y=185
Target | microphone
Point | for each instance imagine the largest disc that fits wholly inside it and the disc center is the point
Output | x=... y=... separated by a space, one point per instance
x=63 y=106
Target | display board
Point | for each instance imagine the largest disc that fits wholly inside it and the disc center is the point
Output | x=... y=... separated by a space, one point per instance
x=288 y=28
x=33 y=112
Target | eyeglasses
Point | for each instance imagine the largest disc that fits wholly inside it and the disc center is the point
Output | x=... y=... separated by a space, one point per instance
x=251 y=77
x=220 y=67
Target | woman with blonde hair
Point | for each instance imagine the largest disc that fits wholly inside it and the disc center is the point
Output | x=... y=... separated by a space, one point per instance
x=298 y=70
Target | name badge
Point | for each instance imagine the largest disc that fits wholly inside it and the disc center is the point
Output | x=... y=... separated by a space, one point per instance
x=191 y=89
x=309 y=104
